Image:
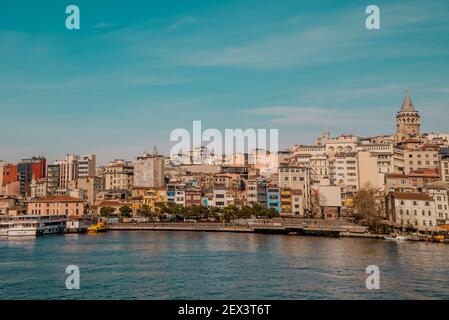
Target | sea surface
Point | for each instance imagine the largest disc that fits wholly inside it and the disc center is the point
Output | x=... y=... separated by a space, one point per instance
x=201 y=265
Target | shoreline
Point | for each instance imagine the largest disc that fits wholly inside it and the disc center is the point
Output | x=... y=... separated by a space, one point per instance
x=259 y=229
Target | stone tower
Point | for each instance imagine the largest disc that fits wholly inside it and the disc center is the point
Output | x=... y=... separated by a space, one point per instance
x=407 y=121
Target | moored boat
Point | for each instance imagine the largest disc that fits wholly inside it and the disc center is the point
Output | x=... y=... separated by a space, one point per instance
x=37 y=225
x=100 y=226
x=396 y=237
x=5 y=224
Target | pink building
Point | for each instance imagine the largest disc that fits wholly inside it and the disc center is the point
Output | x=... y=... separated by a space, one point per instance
x=72 y=207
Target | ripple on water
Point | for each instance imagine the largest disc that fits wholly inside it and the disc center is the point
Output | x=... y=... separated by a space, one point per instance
x=190 y=265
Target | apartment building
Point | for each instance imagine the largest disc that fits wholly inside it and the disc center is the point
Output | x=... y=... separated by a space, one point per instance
x=256 y=191
x=425 y=157
x=296 y=178
x=439 y=192
x=119 y=175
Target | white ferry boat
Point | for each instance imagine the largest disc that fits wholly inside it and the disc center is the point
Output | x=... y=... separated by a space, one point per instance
x=5 y=224
x=32 y=225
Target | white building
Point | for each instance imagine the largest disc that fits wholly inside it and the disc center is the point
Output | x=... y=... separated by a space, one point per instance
x=75 y=166
x=295 y=178
x=439 y=192
x=220 y=196
x=414 y=210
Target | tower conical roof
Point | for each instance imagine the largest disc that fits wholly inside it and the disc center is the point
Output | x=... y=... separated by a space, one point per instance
x=407 y=105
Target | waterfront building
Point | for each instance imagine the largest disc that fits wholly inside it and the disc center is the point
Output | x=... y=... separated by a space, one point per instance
x=256 y=191
x=439 y=192
x=296 y=178
x=115 y=204
x=56 y=205
x=153 y=198
x=411 y=210
x=330 y=201
x=219 y=199
x=286 y=202
x=180 y=197
x=193 y=198
x=291 y=202
x=171 y=193
x=274 y=198
x=208 y=199
x=119 y=175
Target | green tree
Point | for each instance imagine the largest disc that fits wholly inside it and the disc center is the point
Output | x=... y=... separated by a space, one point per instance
x=145 y=211
x=125 y=211
x=106 y=211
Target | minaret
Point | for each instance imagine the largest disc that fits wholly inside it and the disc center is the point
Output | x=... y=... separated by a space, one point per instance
x=407 y=121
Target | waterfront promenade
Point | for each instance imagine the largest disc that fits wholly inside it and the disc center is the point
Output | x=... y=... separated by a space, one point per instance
x=277 y=226
x=295 y=226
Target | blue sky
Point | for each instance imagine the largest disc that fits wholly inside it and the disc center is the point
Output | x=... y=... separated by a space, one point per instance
x=139 y=69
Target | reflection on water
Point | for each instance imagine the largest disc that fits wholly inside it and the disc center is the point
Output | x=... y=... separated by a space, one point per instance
x=25 y=242
x=198 y=265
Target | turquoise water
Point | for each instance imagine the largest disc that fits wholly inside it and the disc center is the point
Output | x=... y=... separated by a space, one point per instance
x=199 y=265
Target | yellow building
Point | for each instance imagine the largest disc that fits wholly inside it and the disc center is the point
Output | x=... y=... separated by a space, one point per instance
x=150 y=197
x=286 y=201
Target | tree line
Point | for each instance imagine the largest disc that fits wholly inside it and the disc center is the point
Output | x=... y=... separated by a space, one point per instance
x=165 y=211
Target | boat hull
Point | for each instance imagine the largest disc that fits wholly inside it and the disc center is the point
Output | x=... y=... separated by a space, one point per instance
x=22 y=232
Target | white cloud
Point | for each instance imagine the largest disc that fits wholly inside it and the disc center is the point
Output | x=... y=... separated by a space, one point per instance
x=104 y=25
x=182 y=22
